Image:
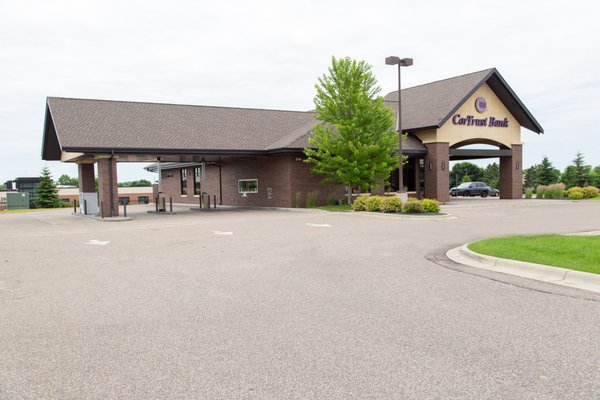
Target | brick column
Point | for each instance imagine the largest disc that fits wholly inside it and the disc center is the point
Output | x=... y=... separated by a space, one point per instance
x=107 y=184
x=436 y=171
x=511 y=174
x=87 y=182
x=417 y=176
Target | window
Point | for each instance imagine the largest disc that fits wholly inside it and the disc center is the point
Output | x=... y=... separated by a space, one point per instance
x=143 y=199
x=248 y=185
x=123 y=200
x=197 y=180
x=183 y=181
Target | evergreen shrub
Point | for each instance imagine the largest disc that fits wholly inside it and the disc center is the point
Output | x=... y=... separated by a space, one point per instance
x=374 y=203
x=431 y=206
x=412 y=206
x=390 y=204
x=360 y=203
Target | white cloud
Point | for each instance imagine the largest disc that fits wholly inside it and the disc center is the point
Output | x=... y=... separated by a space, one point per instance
x=270 y=53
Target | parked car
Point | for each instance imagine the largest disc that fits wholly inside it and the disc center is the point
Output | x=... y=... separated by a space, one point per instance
x=474 y=189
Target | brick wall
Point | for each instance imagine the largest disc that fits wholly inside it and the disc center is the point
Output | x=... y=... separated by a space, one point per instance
x=279 y=179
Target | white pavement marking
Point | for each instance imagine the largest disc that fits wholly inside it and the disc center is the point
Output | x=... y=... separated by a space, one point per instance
x=221 y=233
x=98 y=242
x=319 y=225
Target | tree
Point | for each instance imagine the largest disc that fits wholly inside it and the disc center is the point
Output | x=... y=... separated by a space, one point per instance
x=465 y=170
x=66 y=180
x=46 y=194
x=2 y=186
x=595 y=176
x=541 y=174
x=354 y=143
x=138 y=183
x=576 y=174
x=547 y=174
x=491 y=175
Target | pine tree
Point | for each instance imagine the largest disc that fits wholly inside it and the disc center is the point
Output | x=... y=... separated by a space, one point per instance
x=546 y=173
x=491 y=175
x=355 y=143
x=46 y=194
x=576 y=174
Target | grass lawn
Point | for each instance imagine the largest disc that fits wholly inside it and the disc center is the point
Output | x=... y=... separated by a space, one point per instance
x=343 y=207
x=597 y=197
x=581 y=253
x=28 y=210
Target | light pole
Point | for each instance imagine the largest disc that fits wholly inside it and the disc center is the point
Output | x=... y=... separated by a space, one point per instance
x=400 y=62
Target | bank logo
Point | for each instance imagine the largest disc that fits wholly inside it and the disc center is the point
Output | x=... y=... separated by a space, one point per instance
x=480 y=104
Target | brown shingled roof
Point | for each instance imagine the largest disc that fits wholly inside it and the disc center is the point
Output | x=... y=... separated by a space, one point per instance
x=95 y=126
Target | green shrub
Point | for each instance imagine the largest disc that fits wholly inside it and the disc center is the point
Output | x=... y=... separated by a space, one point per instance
x=390 y=204
x=312 y=200
x=412 y=206
x=528 y=193
x=331 y=200
x=555 y=191
x=575 y=193
x=540 y=190
x=373 y=203
x=431 y=206
x=360 y=203
x=589 y=192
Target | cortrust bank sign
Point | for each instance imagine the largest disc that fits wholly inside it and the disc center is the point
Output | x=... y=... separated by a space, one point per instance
x=470 y=120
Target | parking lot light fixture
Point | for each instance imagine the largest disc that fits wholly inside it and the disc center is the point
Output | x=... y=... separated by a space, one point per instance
x=400 y=62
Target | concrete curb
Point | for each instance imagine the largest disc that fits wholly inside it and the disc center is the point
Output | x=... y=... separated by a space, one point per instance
x=559 y=276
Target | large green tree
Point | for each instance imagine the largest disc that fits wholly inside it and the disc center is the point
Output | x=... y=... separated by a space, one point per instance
x=46 y=194
x=354 y=142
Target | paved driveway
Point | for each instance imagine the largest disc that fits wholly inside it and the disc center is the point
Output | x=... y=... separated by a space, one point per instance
x=288 y=305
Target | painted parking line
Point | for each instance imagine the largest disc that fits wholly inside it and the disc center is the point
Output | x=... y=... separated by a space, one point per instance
x=221 y=233
x=318 y=225
x=98 y=242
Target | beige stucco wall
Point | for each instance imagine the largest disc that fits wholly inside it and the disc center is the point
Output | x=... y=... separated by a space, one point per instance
x=453 y=134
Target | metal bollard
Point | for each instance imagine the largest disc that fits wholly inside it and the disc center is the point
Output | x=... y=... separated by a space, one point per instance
x=170 y=204
x=102 y=209
x=125 y=209
x=214 y=201
x=74 y=206
x=156 y=204
x=164 y=205
x=200 y=201
x=84 y=207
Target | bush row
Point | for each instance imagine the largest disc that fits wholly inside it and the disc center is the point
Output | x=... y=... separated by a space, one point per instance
x=393 y=204
x=557 y=191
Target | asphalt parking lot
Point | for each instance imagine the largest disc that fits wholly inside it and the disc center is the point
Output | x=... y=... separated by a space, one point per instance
x=257 y=304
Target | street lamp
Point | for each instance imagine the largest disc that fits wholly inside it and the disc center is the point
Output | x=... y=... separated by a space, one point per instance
x=400 y=62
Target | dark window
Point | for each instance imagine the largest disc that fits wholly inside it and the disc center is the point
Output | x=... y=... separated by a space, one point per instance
x=197 y=180
x=143 y=199
x=248 y=185
x=184 y=181
x=123 y=200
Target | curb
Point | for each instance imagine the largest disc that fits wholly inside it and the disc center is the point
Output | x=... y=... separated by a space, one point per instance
x=545 y=273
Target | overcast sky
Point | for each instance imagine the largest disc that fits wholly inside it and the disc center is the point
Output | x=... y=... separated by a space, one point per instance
x=268 y=54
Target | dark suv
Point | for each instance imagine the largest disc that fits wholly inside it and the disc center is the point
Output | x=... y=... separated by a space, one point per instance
x=473 y=189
